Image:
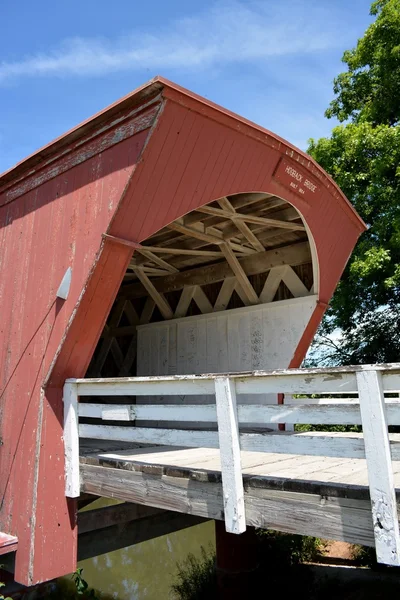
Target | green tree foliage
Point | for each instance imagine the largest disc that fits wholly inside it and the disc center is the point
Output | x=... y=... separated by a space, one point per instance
x=370 y=88
x=363 y=156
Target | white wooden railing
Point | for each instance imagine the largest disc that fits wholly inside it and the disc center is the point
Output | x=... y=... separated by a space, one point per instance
x=368 y=407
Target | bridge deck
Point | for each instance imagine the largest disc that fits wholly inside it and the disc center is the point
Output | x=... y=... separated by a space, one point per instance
x=322 y=496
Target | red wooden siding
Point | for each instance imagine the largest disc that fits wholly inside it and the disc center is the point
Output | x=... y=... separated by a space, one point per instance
x=54 y=216
x=47 y=229
x=193 y=159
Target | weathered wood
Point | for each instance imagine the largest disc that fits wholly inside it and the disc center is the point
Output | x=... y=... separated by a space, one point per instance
x=156 y=259
x=102 y=541
x=248 y=234
x=294 y=283
x=152 y=270
x=250 y=218
x=184 y=301
x=238 y=340
x=225 y=293
x=342 y=477
x=241 y=276
x=326 y=412
x=292 y=512
x=193 y=232
x=131 y=313
x=315 y=443
x=107 y=516
x=160 y=301
x=229 y=444
x=295 y=254
x=122 y=128
x=379 y=464
x=273 y=223
x=290 y=381
x=209 y=235
x=272 y=282
x=71 y=440
x=183 y=251
x=129 y=357
x=107 y=342
x=147 y=311
x=288 y=214
x=244 y=229
x=201 y=300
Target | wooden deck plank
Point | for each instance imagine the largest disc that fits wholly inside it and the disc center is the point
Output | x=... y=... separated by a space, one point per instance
x=303 y=513
x=311 y=471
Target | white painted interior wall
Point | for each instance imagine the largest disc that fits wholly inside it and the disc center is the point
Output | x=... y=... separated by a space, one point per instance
x=251 y=338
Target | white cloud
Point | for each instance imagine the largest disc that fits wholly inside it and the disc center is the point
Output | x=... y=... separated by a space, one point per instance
x=229 y=32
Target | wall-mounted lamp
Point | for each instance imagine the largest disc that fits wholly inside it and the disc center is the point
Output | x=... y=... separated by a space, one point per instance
x=65 y=284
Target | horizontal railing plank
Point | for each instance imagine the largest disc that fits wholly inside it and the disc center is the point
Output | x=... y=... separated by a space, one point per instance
x=386 y=369
x=147 y=386
x=291 y=381
x=316 y=443
x=341 y=383
x=326 y=412
x=145 y=435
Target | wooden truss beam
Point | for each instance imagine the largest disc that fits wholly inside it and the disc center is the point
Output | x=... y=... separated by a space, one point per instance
x=241 y=225
x=183 y=251
x=158 y=298
x=288 y=214
x=241 y=276
x=253 y=264
x=289 y=278
x=226 y=214
x=196 y=233
x=209 y=236
x=156 y=259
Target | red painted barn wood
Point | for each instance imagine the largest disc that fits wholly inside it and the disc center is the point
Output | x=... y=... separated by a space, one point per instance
x=144 y=162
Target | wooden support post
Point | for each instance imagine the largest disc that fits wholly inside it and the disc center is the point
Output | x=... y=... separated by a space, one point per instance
x=237 y=562
x=71 y=440
x=229 y=447
x=379 y=466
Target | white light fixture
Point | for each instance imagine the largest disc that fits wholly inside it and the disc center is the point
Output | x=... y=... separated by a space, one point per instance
x=65 y=284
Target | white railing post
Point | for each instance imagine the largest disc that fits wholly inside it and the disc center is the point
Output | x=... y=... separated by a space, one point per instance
x=229 y=445
x=379 y=465
x=71 y=440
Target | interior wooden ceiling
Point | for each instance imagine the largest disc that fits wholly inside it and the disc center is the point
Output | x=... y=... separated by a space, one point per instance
x=237 y=251
x=227 y=229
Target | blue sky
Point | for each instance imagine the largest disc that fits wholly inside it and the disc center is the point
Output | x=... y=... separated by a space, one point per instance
x=272 y=61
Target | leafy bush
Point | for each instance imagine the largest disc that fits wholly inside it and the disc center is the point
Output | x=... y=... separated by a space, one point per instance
x=282 y=550
x=196 y=578
x=1 y=595
x=365 y=556
x=277 y=552
x=1 y=586
x=76 y=588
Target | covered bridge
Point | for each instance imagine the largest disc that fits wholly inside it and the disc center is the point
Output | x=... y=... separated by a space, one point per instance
x=160 y=240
